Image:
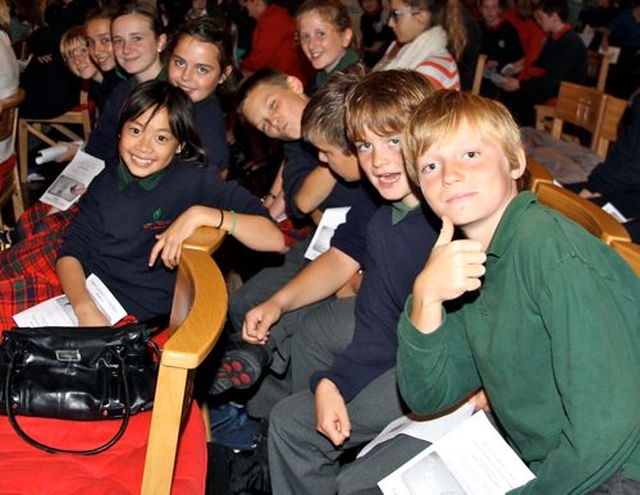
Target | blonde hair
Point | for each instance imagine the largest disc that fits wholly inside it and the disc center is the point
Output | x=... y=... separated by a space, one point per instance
x=439 y=117
x=72 y=38
x=382 y=101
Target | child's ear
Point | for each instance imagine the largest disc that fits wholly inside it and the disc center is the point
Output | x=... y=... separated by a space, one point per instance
x=516 y=173
x=295 y=85
x=347 y=37
x=226 y=73
x=161 y=44
x=179 y=148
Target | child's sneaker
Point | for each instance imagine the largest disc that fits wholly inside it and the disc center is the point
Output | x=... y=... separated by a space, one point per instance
x=241 y=366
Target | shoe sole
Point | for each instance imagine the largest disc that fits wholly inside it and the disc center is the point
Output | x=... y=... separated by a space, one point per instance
x=240 y=370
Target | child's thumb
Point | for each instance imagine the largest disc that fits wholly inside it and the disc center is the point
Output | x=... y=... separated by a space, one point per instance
x=446 y=232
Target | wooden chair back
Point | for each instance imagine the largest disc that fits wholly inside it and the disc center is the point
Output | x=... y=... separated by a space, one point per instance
x=479 y=72
x=614 y=109
x=11 y=189
x=598 y=68
x=197 y=317
x=581 y=106
x=630 y=252
x=537 y=174
x=582 y=211
x=82 y=116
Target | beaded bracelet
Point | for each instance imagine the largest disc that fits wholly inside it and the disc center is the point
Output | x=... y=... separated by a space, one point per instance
x=233 y=223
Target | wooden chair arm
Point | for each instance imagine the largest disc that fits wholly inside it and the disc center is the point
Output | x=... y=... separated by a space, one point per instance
x=197 y=318
x=630 y=252
x=582 y=211
x=537 y=174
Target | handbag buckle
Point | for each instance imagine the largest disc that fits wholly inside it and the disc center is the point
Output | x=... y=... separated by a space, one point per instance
x=68 y=355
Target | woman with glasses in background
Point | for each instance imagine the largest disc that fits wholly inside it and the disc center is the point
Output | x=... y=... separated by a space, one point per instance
x=430 y=38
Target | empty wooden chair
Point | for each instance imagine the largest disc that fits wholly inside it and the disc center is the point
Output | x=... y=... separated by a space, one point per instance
x=583 y=212
x=11 y=189
x=80 y=116
x=613 y=111
x=581 y=106
x=630 y=252
x=569 y=162
x=162 y=451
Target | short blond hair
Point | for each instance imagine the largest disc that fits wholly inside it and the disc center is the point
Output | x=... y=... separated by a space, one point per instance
x=72 y=38
x=439 y=117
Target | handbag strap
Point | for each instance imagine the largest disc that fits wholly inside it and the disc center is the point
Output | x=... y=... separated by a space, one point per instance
x=55 y=450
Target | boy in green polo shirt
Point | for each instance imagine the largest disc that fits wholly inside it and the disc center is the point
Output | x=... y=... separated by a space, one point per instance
x=529 y=306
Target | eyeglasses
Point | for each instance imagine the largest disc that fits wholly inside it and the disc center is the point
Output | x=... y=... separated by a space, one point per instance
x=395 y=14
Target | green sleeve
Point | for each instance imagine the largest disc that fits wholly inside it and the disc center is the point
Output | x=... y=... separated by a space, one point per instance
x=434 y=370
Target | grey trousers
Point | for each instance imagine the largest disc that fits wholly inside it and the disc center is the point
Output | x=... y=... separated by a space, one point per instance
x=618 y=484
x=362 y=475
x=301 y=460
x=267 y=282
x=304 y=341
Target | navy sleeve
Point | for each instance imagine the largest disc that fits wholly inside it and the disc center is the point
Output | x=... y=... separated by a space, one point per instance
x=395 y=255
x=351 y=236
x=103 y=141
x=301 y=159
x=563 y=60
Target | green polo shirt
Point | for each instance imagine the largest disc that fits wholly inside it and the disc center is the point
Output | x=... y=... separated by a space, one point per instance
x=553 y=337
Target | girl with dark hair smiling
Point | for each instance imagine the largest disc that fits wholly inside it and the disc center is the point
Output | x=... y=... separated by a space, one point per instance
x=132 y=220
x=138 y=211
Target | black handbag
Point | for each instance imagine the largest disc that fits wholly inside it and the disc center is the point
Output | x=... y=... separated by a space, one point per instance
x=88 y=373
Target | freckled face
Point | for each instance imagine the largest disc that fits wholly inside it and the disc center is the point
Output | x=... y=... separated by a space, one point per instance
x=381 y=160
x=321 y=41
x=468 y=178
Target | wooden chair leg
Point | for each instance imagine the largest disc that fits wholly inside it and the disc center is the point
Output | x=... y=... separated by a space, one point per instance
x=23 y=149
x=18 y=199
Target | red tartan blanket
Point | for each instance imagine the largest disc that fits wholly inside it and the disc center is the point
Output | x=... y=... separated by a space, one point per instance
x=27 y=269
